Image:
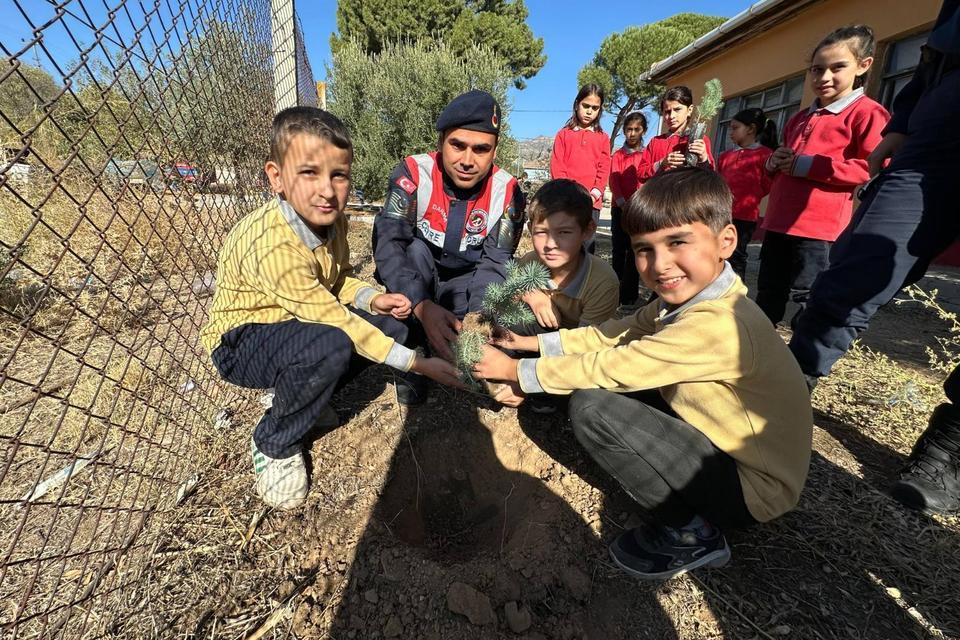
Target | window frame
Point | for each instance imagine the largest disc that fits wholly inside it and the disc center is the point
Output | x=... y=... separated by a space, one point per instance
x=787 y=107
x=887 y=92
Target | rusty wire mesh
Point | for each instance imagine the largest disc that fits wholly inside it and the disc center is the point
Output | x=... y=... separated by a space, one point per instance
x=133 y=137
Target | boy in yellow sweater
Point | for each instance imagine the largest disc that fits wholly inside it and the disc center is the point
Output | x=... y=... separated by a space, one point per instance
x=279 y=316
x=583 y=289
x=694 y=404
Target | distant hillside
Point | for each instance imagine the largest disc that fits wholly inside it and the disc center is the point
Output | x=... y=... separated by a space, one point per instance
x=536 y=151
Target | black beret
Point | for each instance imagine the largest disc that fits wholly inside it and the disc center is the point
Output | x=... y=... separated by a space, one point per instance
x=474 y=110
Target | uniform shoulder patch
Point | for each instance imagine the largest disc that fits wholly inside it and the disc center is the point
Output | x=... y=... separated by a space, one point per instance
x=406 y=184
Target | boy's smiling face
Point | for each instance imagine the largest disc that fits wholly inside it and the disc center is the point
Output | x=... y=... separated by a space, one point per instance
x=314 y=178
x=680 y=262
x=558 y=238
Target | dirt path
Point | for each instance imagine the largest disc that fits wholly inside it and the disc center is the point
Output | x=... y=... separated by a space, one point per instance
x=459 y=519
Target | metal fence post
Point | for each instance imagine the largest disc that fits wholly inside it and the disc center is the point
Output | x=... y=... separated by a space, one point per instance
x=283 y=28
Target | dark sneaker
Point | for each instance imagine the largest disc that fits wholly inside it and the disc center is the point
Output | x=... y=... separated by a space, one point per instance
x=411 y=389
x=657 y=552
x=931 y=480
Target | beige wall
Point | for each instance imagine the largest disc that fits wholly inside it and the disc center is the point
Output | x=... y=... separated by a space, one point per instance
x=783 y=51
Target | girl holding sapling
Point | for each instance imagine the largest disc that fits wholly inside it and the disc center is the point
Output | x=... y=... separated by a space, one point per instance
x=669 y=150
x=581 y=149
x=822 y=161
x=743 y=168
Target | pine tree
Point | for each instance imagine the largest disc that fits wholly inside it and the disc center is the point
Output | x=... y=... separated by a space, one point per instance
x=502 y=306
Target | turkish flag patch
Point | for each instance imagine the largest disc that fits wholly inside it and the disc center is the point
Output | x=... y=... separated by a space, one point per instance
x=406 y=184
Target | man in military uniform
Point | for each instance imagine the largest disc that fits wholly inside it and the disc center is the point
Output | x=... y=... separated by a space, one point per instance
x=451 y=221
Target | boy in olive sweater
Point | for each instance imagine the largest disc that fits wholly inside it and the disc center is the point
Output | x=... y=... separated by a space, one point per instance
x=694 y=404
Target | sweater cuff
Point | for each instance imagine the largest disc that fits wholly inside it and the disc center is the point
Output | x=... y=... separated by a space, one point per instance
x=801 y=166
x=400 y=357
x=550 y=344
x=527 y=375
x=364 y=298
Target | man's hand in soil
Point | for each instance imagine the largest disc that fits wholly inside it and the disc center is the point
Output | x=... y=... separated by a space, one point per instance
x=438 y=369
x=394 y=304
x=507 y=339
x=440 y=325
x=542 y=306
x=510 y=395
x=496 y=365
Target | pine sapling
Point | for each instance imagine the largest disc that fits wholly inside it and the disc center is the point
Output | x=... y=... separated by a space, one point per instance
x=704 y=112
x=502 y=305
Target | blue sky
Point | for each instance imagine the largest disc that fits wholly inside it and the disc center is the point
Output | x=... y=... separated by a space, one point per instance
x=569 y=42
x=541 y=109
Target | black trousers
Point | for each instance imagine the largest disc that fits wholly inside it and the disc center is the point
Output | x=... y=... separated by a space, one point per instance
x=788 y=267
x=907 y=216
x=738 y=261
x=666 y=465
x=623 y=260
x=304 y=362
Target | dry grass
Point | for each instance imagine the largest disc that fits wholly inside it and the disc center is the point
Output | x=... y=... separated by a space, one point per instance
x=527 y=512
x=102 y=299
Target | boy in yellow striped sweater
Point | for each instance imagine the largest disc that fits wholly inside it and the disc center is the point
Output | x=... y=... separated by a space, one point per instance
x=694 y=404
x=279 y=316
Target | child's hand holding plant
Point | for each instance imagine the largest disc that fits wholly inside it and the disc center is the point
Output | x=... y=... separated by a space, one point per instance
x=542 y=306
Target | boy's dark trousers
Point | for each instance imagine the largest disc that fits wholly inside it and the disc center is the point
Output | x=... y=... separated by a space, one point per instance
x=788 y=267
x=304 y=362
x=908 y=215
x=666 y=465
x=622 y=259
x=738 y=261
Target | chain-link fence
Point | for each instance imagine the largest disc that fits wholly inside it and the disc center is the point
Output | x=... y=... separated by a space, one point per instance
x=133 y=137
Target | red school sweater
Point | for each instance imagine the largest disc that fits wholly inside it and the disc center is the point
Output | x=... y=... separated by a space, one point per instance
x=743 y=169
x=623 y=173
x=815 y=199
x=660 y=147
x=582 y=155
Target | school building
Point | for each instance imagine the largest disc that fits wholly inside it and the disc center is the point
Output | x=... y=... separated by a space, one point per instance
x=761 y=55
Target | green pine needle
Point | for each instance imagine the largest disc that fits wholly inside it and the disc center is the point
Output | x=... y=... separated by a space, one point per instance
x=467 y=350
x=712 y=101
x=502 y=303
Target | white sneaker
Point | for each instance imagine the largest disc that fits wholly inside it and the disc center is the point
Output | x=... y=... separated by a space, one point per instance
x=281 y=482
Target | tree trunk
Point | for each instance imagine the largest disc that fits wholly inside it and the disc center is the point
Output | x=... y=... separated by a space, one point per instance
x=618 y=123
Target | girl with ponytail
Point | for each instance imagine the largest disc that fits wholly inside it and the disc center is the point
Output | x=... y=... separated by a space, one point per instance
x=743 y=168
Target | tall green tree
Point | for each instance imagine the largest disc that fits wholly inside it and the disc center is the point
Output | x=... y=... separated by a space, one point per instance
x=25 y=94
x=623 y=57
x=390 y=111
x=497 y=25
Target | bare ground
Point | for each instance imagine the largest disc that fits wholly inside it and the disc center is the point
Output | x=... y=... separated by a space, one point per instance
x=429 y=523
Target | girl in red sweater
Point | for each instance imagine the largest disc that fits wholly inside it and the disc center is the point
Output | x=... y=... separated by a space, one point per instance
x=743 y=168
x=581 y=150
x=623 y=184
x=668 y=150
x=822 y=161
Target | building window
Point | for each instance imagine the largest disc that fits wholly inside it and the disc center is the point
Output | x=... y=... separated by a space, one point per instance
x=779 y=102
x=902 y=58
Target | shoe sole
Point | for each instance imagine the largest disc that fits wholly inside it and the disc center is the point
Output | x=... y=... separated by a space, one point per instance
x=715 y=559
